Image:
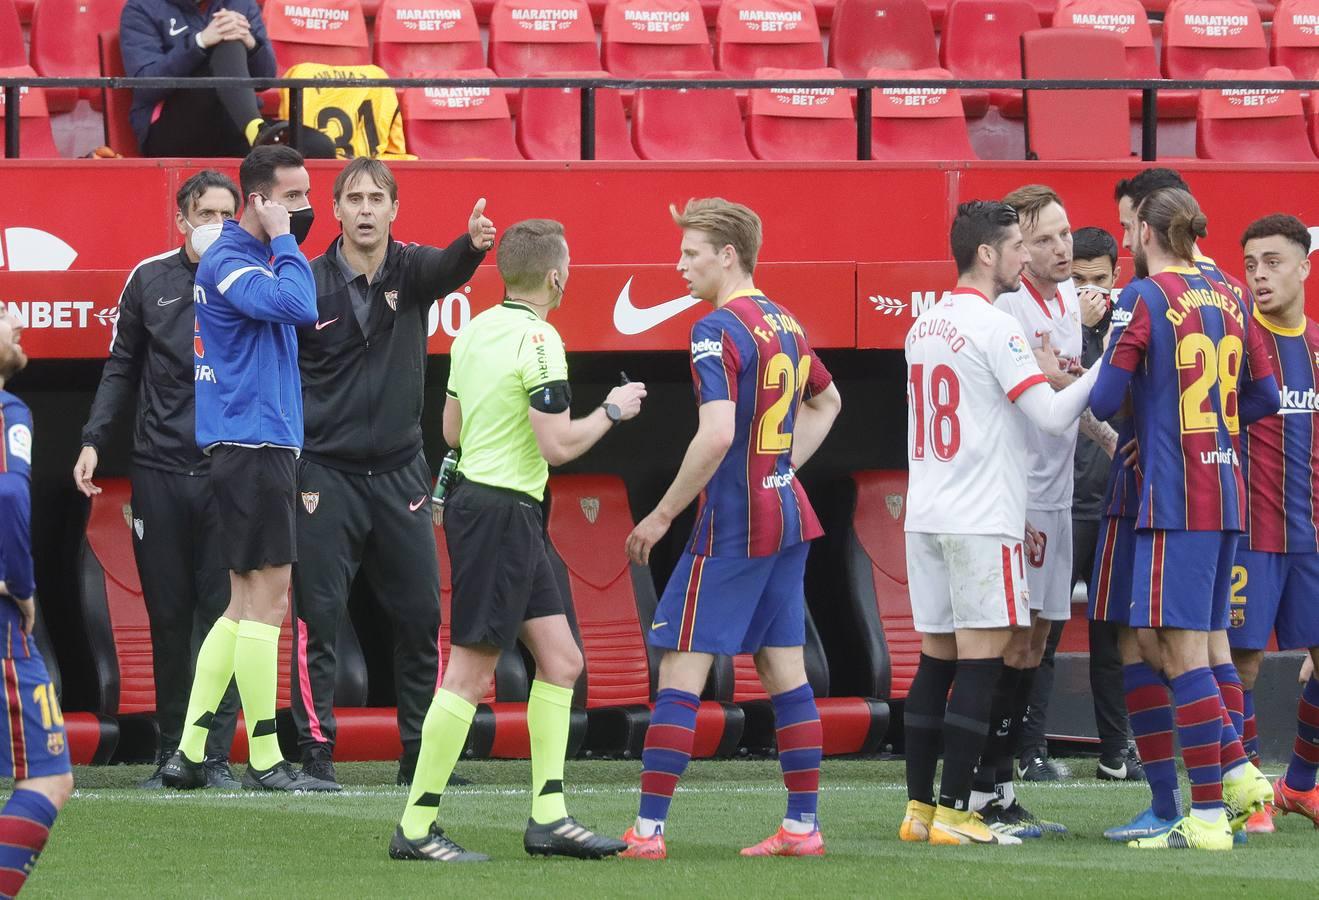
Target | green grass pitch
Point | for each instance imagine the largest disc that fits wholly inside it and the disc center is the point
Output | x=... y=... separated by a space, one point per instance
x=116 y=841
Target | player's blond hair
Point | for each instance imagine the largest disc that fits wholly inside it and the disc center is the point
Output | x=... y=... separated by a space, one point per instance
x=726 y=224
x=1176 y=220
x=1029 y=201
x=528 y=251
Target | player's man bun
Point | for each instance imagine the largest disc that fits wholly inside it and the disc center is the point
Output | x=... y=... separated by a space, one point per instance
x=1176 y=219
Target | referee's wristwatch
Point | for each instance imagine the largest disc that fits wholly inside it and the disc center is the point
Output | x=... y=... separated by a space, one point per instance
x=612 y=412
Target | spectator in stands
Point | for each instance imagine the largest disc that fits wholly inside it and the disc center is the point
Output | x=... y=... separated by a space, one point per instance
x=151 y=361
x=184 y=39
x=1094 y=265
x=363 y=365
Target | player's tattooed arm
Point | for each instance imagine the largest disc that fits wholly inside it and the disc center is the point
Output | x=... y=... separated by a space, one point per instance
x=1100 y=432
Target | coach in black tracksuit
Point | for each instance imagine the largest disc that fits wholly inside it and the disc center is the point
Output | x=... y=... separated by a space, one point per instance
x=184 y=583
x=363 y=478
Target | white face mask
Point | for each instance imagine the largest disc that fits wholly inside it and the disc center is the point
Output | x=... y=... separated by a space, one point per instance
x=203 y=236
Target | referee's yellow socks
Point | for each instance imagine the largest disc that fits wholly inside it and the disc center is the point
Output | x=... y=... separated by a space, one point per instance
x=256 y=659
x=215 y=667
x=442 y=737
x=548 y=712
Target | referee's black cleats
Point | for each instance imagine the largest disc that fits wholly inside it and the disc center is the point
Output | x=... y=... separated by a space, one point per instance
x=567 y=837
x=434 y=847
x=283 y=777
x=182 y=774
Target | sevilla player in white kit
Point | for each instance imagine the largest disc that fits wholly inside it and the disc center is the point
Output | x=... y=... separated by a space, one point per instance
x=973 y=390
x=1048 y=309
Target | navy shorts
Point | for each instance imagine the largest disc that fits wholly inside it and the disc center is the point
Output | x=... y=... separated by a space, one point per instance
x=32 y=739
x=728 y=605
x=1182 y=578
x=1109 y=590
x=1274 y=592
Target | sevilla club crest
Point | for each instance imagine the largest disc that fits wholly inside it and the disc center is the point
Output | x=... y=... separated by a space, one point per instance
x=311 y=500
x=591 y=508
x=391 y=297
x=894 y=504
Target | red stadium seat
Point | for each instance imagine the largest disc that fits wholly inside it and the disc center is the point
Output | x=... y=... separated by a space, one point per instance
x=333 y=34
x=752 y=34
x=421 y=35
x=789 y=124
x=644 y=36
x=549 y=124
x=873 y=560
x=1296 y=37
x=119 y=134
x=665 y=123
x=12 y=51
x=63 y=45
x=35 y=140
x=881 y=34
x=1241 y=125
x=1128 y=19
x=24 y=9
x=1199 y=35
x=458 y=123
x=1075 y=124
x=588 y=515
x=533 y=37
x=917 y=123
x=982 y=39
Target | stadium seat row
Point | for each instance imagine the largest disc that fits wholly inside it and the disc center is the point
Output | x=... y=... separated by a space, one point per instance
x=862 y=610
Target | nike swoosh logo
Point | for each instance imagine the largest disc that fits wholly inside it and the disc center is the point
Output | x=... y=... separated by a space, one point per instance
x=163 y=302
x=175 y=32
x=628 y=319
x=413 y=507
x=658 y=625
x=320 y=325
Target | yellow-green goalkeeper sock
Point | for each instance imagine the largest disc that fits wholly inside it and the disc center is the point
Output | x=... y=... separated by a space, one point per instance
x=548 y=712
x=443 y=734
x=256 y=658
x=215 y=668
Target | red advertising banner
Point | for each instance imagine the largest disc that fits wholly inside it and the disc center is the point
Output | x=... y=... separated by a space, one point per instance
x=1213 y=23
x=891 y=295
x=427 y=22
x=71 y=315
x=1123 y=17
x=655 y=22
x=801 y=103
x=453 y=103
x=768 y=22
x=1250 y=103
x=542 y=22
x=340 y=22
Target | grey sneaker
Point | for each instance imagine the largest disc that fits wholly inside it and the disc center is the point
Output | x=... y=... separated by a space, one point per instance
x=219 y=775
x=283 y=777
x=156 y=781
x=568 y=837
x=182 y=773
x=434 y=847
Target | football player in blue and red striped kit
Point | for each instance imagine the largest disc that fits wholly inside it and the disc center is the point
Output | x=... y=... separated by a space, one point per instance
x=33 y=748
x=1197 y=368
x=766 y=404
x=1275 y=584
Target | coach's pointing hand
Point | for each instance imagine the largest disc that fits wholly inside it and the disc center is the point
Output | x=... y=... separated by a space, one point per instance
x=480 y=230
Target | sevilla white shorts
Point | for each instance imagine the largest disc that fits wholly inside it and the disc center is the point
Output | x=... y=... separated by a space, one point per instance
x=961 y=581
x=1049 y=575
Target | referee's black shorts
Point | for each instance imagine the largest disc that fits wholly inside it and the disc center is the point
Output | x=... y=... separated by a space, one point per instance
x=498 y=563
x=255 y=490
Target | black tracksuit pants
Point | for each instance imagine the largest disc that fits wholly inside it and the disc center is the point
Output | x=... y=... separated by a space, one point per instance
x=380 y=523
x=186 y=588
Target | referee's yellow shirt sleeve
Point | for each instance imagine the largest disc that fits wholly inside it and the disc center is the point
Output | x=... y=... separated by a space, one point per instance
x=541 y=359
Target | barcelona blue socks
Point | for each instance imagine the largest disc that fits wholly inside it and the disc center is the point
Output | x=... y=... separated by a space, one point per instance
x=667 y=751
x=1200 y=720
x=800 y=743
x=1152 y=724
x=1305 y=753
x=25 y=824
x=1249 y=730
x=1230 y=690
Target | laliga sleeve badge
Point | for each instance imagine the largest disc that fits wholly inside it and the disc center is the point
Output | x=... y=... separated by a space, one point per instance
x=20 y=442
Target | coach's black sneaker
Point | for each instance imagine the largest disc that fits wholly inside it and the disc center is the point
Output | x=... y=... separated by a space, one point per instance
x=1035 y=766
x=156 y=781
x=181 y=773
x=1022 y=814
x=321 y=768
x=1122 y=766
x=567 y=838
x=283 y=777
x=434 y=847
x=219 y=775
